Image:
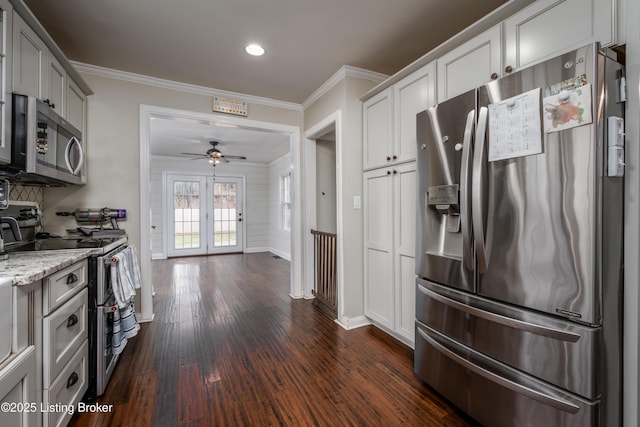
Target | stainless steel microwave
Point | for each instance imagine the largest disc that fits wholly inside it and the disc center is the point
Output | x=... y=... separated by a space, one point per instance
x=45 y=148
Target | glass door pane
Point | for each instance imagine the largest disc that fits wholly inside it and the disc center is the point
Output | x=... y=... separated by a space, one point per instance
x=186 y=225
x=227 y=215
x=186 y=206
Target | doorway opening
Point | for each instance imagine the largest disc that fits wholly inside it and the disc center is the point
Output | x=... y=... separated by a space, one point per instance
x=151 y=220
x=323 y=234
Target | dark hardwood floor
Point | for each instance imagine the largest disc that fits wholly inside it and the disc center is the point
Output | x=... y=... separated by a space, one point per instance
x=229 y=347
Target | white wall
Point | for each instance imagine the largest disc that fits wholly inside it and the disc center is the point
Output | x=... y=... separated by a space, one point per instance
x=326 y=186
x=255 y=215
x=279 y=240
x=344 y=96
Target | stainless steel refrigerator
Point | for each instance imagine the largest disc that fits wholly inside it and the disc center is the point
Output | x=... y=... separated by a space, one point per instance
x=520 y=245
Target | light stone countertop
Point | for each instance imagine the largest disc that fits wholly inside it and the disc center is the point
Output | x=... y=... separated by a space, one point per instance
x=27 y=267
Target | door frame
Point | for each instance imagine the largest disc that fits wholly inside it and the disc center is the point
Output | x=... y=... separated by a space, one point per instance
x=147 y=112
x=332 y=121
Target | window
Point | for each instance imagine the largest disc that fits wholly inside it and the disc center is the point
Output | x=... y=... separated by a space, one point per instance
x=285 y=202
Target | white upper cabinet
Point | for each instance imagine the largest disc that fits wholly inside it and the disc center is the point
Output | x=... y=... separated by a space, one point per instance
x=471 y=64
x=29 y=59
x=6 y=12
x=547 y=28
x=76 y=106
x=36 y=72
x=56 y=85
x=411 y=95
x=378 y=130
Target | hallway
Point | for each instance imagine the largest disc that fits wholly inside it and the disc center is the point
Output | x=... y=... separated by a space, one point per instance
x=228 y=346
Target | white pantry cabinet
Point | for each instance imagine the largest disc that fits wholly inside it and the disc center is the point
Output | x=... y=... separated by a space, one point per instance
x=389 y=119
x=389 y=233
x=413 y=94
x=378 y=130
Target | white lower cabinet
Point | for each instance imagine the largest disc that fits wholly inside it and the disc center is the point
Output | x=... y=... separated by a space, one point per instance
x=64 y=343
x=67 y=389
x=20 y=404
x=389 y=230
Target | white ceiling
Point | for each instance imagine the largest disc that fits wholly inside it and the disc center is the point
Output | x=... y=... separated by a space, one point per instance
x=174 y=137
x=202 y=42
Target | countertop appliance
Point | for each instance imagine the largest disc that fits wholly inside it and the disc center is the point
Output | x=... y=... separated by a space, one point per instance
x=45 y=149
x=520 y=246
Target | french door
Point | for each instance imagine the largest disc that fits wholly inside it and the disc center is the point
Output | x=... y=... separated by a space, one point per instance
x=204 y=215
x=225 y=216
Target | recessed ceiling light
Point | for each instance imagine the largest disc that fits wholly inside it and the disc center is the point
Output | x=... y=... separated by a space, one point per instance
x=254 y=49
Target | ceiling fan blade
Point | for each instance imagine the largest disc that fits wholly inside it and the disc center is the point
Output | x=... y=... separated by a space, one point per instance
x=223 y=160
x=235 y=157
x=195 y=154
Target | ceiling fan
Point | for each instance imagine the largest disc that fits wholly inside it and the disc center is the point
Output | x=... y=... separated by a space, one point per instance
x=214 y=155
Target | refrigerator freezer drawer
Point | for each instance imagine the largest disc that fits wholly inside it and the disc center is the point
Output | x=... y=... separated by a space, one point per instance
x=491 y=392
x=557 y=351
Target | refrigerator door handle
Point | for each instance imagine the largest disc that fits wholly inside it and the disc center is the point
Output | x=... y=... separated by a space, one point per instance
x=543 y=398
x=502 y=320
x=465 y=203
x=477 y=193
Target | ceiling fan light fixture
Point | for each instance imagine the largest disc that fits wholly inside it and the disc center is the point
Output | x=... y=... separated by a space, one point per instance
x=254 y=49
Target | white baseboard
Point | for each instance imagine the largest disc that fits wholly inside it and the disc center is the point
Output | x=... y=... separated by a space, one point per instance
x=281 y=254
x=158 y=256
x=294 y=296
x=256 y=250
x=309 y=296
x=349 y=323
x=143 y=319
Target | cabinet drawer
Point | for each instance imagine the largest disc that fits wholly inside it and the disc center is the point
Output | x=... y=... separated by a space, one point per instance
x=67 y=389
x=64 y=331
x=60 y=286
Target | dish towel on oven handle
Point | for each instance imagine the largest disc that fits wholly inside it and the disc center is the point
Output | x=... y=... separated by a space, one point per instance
x=125 y=279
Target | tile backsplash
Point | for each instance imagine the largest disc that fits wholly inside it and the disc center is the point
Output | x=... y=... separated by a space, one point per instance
x=25 y=193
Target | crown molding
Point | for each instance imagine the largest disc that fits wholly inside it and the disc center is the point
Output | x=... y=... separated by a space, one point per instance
x=338 y=76
x=182 y=87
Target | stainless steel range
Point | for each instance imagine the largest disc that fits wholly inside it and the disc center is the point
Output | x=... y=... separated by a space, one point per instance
x=102 y=303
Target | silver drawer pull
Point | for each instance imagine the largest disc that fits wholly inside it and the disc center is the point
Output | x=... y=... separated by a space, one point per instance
x=545 y=331
x=546 y=399
x=73 y=379
x=72 y=320
x=71 y=279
